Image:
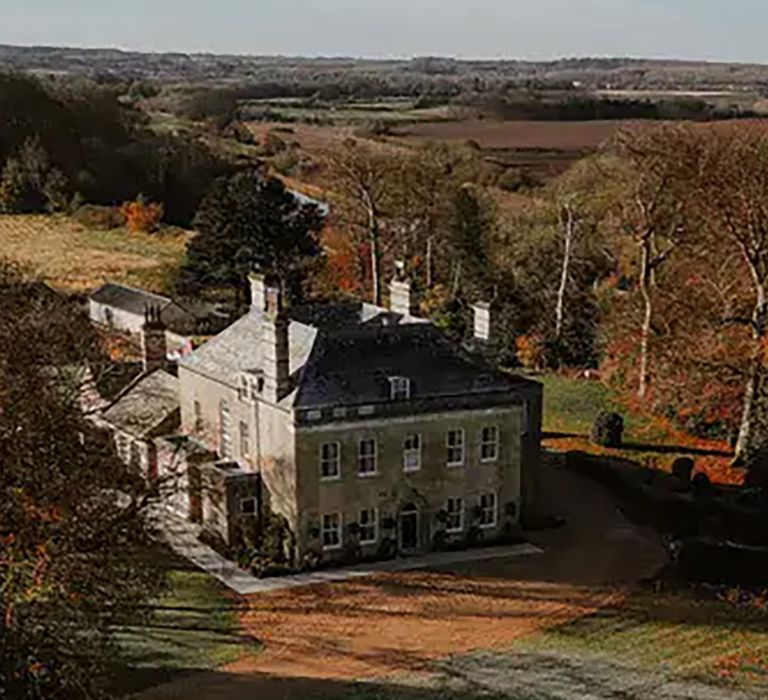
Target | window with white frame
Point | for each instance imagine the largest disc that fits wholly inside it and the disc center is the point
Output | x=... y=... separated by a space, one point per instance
x=400 y=388
x=366 y=457
x=488 y=510
x=225 y=430
x=330 y=460
x=331 y=531
x=369 y=526
x=245 y=440
x=455 y=447
x=248 y=506
x=412 y=453
x=489 y=444
x=455 y=519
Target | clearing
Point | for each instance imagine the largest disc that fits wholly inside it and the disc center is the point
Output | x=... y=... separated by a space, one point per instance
x=70 y=257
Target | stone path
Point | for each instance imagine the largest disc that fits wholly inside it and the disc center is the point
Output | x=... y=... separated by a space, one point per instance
x=181 y=536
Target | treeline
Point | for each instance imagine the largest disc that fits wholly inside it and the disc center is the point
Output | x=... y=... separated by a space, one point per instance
x=648 y=261
x=62 y=144
x=586 y=108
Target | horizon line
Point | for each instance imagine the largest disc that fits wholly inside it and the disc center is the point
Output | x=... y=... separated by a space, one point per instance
x=385 y=58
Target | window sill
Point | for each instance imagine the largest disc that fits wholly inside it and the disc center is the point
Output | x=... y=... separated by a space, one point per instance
x=368 y=543
x=489 y=461
x=367 y=475
x=411 y=470
x=332 y=548
x=490 y=526
x=455 y=465
x=329 y=479
x=455 y=532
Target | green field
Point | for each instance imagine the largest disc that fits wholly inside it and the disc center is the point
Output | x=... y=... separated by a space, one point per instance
x=195 y=626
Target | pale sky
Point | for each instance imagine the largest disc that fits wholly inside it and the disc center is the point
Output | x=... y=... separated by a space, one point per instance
x=733 y=30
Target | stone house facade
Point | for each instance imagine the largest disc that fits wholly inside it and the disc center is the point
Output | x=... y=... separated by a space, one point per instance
x=365 y=428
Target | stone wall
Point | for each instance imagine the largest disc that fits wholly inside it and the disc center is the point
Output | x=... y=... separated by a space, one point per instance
x=392 y=487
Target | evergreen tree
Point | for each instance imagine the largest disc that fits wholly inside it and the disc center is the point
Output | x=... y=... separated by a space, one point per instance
x=249 y=221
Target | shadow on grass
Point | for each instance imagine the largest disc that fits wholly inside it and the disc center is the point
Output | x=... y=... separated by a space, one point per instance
x=644 y=447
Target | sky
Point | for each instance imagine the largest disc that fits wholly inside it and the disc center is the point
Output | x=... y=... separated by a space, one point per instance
x=732 y=30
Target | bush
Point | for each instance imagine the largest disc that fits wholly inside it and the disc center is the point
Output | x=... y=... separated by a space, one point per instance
x=682 y=469
x=608 y=430
x=531 y=352
x=142 y=216
x=703 y=490
x=92 y=216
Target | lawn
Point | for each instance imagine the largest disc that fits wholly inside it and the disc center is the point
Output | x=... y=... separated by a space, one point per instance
x=686 y=634
x=72 y=258
x=195 y=626
x=571 y=406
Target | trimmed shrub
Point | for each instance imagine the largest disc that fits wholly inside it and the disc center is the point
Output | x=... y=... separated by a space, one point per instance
x=608 y=430
x=682 y=469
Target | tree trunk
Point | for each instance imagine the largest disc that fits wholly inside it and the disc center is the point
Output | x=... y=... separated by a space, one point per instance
x=429 y=263
x=750 y=437
x=645 y=329
x=373 y=242
x=560 y=306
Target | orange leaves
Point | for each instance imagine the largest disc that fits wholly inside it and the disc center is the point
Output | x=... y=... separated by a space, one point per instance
x=531 y=351
x=142 y=216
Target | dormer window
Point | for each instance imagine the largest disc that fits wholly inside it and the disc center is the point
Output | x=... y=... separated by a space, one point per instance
x=399 y=388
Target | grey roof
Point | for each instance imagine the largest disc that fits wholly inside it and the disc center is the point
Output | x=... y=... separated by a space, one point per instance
x=345 y=353
x=354 y=367
x=238 y=349
x=128 y=298
x=145 y=405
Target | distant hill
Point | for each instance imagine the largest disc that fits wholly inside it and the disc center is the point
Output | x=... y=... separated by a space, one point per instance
x=423 y=75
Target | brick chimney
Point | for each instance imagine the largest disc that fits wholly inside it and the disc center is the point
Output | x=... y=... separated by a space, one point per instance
x=154 y=345
x=258 y=291
x=482 y=325
x=275 y=347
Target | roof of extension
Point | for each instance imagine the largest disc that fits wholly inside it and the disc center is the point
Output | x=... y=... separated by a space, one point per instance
x=128 y=298
x=145 y=405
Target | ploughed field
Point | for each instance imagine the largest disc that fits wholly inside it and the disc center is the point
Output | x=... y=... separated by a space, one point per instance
x=504 y=135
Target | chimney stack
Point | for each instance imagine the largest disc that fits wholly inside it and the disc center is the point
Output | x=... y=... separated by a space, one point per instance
x=258 y=291
x=154 y=345
x=400 y=301
x=275 y=347
x=482 y=321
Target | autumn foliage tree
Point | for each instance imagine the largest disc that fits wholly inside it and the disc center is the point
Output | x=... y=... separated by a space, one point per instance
x=142 y=216
x=72 y=530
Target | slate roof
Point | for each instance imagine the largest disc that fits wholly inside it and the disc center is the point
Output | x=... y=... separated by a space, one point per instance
x=238 y=349
x=354 y=367
x=128 y=298
x=345 y=354
x=145 y=405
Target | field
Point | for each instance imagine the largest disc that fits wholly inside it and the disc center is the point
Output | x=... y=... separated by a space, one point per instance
x=517 y=135
x=72 y=258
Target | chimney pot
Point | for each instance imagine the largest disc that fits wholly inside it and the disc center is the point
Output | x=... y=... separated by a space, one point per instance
x=400 y=298
x=258 y=291
x=154 y=344
x=482 y=324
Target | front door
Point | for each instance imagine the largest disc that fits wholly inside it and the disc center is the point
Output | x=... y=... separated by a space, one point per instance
x=409 y=529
